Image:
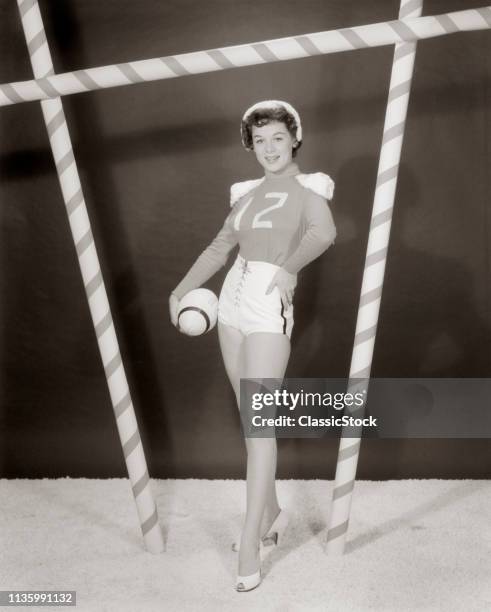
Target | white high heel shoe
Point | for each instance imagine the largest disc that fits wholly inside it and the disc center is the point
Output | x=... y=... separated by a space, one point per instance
x=247 y=583
x=271 y=538
x=278 y=528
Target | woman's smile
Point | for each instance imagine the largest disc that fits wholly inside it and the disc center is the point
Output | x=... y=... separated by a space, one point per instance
x=273 y=146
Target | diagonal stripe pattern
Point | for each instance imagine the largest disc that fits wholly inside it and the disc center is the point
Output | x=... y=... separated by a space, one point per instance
x=409 y=28
x=91 y=272
x=373 y=275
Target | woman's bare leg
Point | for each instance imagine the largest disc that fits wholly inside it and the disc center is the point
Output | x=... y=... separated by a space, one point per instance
x=232 y=348
x=265 y=356
x=231 y=344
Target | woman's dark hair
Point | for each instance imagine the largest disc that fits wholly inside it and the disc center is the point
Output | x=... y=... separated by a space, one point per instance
x=263 y=116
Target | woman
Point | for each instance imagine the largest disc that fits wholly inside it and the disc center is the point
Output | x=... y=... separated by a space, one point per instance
x=281 y=223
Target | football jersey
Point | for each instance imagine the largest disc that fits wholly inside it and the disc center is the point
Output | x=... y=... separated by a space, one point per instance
x=283 y=220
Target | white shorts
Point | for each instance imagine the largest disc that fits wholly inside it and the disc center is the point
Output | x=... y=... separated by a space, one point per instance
x=243 y=302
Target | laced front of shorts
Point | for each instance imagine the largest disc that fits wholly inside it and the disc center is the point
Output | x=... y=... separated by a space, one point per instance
x=240 y=285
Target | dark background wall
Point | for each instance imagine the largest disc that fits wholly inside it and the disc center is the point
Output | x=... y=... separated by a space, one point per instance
x=156 y=163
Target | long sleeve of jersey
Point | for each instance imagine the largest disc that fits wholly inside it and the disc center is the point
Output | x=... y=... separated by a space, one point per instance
x=319 y=234
x=210 y=261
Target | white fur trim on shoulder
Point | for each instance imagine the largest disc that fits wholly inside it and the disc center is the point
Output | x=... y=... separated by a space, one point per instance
x=239 y=190
x=318 y=182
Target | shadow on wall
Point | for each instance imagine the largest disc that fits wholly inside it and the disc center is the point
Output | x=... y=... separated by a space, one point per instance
x=429 y=322
x=134 y=334
x=75 y=410
x=210 y=134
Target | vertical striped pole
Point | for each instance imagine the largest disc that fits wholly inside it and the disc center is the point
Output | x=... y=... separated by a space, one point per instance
x=373 y=276
x=61 y=147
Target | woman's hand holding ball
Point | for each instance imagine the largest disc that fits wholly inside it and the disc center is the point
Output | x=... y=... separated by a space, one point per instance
x=173 y=308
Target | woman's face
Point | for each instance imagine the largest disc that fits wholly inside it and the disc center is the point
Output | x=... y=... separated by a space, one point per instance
x=273 y=145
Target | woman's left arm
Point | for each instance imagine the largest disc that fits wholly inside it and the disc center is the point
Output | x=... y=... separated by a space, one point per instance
x=319 y=235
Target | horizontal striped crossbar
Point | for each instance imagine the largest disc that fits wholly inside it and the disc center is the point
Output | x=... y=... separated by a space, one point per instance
x=280 y=49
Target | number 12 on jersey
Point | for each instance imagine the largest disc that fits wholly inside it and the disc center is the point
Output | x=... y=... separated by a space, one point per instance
x=257 y=222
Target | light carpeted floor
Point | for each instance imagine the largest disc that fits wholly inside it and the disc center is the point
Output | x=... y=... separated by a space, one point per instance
x=413 y=545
